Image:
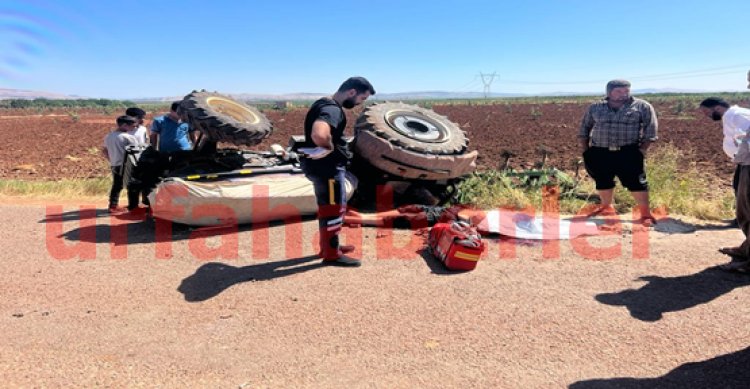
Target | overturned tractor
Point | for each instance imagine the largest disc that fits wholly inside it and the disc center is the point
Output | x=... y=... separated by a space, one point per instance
x=409 y=151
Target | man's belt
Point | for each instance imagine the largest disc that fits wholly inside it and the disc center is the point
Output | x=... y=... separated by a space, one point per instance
x=617 y=148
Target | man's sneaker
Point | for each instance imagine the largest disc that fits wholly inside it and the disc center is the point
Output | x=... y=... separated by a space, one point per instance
x=115 y=210
x=343 y=249
x=343 y=261
x=137 y=213
x=137 y=210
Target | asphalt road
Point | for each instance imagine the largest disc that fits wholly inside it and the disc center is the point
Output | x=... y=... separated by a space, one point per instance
x=194 y=308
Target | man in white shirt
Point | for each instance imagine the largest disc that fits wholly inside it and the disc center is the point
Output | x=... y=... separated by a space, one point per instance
x=140 y=133
x=113 y=150
x=736 y=123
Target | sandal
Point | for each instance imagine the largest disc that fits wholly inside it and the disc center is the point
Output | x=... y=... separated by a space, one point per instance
x=647 y=221
x=732 y=252
x=603 y=211
x=740 y=267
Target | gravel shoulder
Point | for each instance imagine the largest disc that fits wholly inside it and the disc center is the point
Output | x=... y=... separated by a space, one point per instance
x=91 y=300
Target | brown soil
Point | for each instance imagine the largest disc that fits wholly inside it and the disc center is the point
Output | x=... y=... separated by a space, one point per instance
x=131 y=312
x=60 y=145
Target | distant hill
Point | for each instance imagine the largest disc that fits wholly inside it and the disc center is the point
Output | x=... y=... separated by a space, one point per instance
x=420 y=95
x=423 y=95
x=7 y=94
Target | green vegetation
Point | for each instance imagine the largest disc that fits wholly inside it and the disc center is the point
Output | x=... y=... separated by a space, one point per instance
x=73 y=103
x=519 y=190
x=673 y=181
x=674 y=185
x=536 y=113
x=681 y=102
x=688 y=101
x=74 y=107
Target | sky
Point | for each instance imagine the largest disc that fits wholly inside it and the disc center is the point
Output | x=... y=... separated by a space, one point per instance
x=141 y=49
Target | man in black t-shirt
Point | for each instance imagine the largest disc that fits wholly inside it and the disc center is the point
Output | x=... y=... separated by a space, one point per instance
x=325 y=163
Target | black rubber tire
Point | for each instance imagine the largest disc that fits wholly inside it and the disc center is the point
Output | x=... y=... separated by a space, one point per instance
x=413 y=128
x=223 y=119
x=411 y=142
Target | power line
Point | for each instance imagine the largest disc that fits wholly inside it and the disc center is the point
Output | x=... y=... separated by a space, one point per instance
x=487 y=81
x=470 y=85
x=653 y=77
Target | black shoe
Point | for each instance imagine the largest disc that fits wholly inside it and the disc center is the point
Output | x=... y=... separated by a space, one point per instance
x=343 y=261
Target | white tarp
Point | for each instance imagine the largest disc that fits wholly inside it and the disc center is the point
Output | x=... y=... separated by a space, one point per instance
x=524 y=226
x=253 y=199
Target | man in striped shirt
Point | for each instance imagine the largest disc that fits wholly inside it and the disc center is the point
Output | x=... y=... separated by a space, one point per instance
x=614 y=136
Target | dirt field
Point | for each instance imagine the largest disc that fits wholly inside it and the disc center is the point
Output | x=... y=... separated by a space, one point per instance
x=61 y=145
x=90 y=305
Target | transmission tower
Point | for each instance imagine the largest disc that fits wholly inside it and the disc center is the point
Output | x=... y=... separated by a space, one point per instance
x=487 y=81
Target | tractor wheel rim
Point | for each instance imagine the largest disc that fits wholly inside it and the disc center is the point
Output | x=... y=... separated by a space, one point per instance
x=415 y=127
x=232 y=109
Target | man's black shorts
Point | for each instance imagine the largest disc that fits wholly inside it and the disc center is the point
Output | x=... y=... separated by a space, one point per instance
x=603 y=165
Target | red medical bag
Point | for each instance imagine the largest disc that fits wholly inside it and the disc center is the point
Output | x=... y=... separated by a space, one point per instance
x=456 y=244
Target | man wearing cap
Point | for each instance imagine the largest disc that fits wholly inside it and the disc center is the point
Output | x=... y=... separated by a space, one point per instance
x=614 y=136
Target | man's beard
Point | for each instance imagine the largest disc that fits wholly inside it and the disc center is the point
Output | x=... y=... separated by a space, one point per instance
x=716 y=116
x=349 y=103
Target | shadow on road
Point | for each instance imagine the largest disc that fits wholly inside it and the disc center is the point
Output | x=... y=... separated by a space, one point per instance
x=129 y=232
x=725 y=371
x=671 y=294
x=84 y=214
x=213 y=278
x=435 y=265
x=139 y=229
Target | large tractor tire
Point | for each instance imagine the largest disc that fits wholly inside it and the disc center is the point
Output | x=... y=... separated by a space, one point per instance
x=412 y=142
x=223 y=119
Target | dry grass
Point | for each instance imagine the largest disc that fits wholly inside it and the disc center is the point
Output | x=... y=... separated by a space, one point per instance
x=674 y=184
x=60 y=189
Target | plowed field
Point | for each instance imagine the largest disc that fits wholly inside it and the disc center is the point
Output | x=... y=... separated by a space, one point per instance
x=53 y=146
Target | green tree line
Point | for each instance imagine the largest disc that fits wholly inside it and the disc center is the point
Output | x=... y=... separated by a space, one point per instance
x=65 y=103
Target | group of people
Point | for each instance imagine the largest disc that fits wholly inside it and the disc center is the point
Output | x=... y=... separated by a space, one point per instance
x=614 y=136
x=169 y=133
